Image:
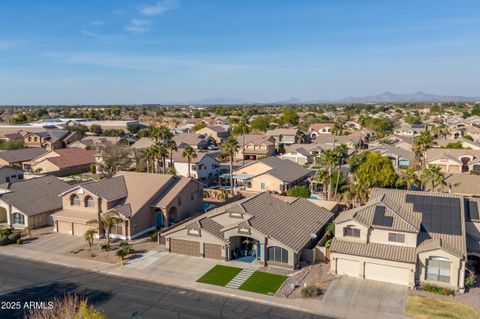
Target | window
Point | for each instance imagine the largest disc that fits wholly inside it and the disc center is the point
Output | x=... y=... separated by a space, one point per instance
x=7 y=179
x=396 y=238
x=18 y=219
x=75 y=200
x=89 y=202
x=262 y=185
x=351 y=232
x=277 y=254
x=438 y=269
x=117 y=229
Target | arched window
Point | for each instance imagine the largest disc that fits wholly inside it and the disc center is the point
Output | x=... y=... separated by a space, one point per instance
x=89 y=201
x=277 y=254
x=18 y=219
x=75 y=200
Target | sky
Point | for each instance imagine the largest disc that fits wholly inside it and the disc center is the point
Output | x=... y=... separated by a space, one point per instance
x=149 y=51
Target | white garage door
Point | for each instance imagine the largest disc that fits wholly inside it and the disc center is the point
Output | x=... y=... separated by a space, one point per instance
x=348 y=267
x=389 y=274
x=64 y=227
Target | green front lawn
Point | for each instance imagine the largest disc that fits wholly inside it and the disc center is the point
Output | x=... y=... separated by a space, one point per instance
x=420 y=307
x=263 y=283
x=219 y=275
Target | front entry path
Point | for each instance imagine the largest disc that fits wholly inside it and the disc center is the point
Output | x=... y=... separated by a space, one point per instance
x=240 y=278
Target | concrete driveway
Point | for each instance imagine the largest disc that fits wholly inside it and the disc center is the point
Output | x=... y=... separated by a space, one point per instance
x=54 y=243
x=349 y=297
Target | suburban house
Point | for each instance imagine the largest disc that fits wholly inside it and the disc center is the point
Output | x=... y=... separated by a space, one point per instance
x=219 y=133
x=254 y=147
x=406 y=237
x=271 y=174
x=458 y=183
x=18 y=157
x=275 y=232
x=31 y=202
x=62 y=162
x=302 y=154
x=96 y=142
x=203 y=167
x=196 y=141
x=353 y=141
x=51 y=139
x=454 y=160
x=400 y=157
x=143 y=201
x=320 y=129
x=442 y=143
x=143 y=143
x=286 y=136
x=410 y=129
x=10 y=174
x=461 y=129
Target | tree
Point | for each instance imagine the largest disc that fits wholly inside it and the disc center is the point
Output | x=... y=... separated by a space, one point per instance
x=189 y=153
x=171 y=146
x=151 y=155
x=329 y=159
x=260 y=123
x=115 y=158
x=299 y=191
x=359 y=190
x=106 y=222
x=97 y=129
x=434 y=176
x=80 y=128
x=199 y=126
x=454 y=145
x=133 y=128
x=114 y=132
x=289 y=116
x=162 y=153
x=90 y=236
x=377 y=171
x=324 y=178
x=421 y=144
x=241 y=128
x=230 y=148
x=408 y=178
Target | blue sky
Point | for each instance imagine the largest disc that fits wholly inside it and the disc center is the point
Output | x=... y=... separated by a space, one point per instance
x=147 y=51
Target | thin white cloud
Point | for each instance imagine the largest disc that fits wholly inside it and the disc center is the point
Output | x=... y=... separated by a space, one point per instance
x=138 y=25
x=97 y=23
x=100 y=36
x=159 y=8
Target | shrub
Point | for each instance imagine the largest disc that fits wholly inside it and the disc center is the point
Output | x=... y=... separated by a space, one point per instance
x=330 y=230
x=154 y=236
x=14 y=237
x=5 y=231
x=71 y=306
x=328 y=243
x=470 y=280
x=105 y=247
x=438 y=290
x=19 y=241
x=299 y=191
x=122 y=253
x=311 y=291
x=4 y=241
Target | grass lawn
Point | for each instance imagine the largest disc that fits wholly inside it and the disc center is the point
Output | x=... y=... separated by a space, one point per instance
x=420 y=307
x=219 y=275
x=263 y=283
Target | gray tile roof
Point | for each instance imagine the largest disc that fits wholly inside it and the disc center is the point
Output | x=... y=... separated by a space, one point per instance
x=211 y=227
x=375 y=250
x=22 y=155
x=110 y=189
x=285 y=170
x=36 y=195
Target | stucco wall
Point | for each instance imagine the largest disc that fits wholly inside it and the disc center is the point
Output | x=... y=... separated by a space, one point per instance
x=456 y=270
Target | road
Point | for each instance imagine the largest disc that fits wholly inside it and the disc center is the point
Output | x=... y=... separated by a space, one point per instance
x=25 y=281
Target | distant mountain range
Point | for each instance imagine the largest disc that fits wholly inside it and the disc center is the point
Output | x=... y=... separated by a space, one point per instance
x=385 y=97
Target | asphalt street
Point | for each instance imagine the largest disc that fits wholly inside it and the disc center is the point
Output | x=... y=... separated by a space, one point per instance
x=25 y=281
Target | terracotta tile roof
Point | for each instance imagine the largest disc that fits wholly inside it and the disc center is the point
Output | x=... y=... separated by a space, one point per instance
x=72 y=157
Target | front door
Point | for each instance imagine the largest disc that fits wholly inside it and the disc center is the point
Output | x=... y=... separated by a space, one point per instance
x=158 y=220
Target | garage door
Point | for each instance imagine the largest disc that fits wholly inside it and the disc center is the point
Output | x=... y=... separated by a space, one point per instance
x=389 y=274
x=80 y=229
x=185 y=247
x=213 y=251
x=348 y=267
x=64 y=227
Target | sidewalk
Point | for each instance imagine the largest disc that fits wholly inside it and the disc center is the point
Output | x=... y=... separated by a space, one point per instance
x=159 y=276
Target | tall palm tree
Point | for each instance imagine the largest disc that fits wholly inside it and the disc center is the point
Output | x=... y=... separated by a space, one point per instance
x=230 y=148
x=329 y=158
x=342 y=152
x=163 y=153
x=171 y=146
x=150 y=156
x=421 y=144
x=324 y=178
x=360 y=190
x=106 y=222
x=189 y=153
x=434 y=176
x=409 y=178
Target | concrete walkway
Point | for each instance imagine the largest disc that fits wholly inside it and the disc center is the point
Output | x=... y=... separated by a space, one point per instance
x=240 y=278
x=194 y=269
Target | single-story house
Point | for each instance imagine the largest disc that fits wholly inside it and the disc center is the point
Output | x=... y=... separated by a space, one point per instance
x=400 y=157
x=10 y=174
x=18 y=157
x=274 y=231
x=62 y=162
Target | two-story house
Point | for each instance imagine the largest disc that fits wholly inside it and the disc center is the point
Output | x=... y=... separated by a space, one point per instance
x=144 y=202
x=51 y=139
x=254 y=147
x=196 y=141
x=408 y=237
x=261 y=228
x=286 y=136
x=454 y=160
x=202 y=167
x=219 y=133
x=317 y=129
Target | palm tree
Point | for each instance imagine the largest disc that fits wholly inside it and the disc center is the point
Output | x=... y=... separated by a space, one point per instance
x=360 y=190
x=433 y=175
x=163 y=153
x=342 y=152
x=171 y=146
x=90 y=236
x=230 y=148
x=189 y=153
x=324 y=178
x=106 y=222
x=329 y=158
x=408 y=177
x=421 y=144
x=150 y=157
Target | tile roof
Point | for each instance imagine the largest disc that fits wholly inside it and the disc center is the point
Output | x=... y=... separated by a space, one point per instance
x=190 y=138
x=72 y=157
x=36 y=195
x=254 y=139
x=284 y=169
x=452 y=154
x=375 y=250
x=143 y=143
x=464 y=184
x=110 y=189
x=22 y=155
x=403 y=153
x=282 y=131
